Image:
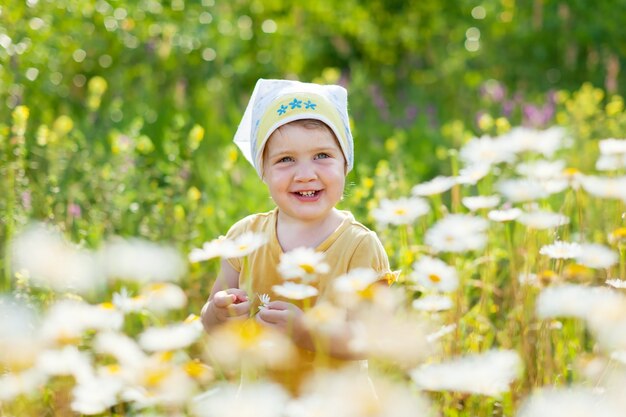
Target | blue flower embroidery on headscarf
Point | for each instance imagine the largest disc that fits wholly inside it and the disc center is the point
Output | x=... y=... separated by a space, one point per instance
x=309 y=105
x=282 y=109
x=296 y=103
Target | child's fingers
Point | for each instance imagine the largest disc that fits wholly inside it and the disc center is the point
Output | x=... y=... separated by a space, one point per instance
x=239 y=309
x=222 y=299
x=272 y=316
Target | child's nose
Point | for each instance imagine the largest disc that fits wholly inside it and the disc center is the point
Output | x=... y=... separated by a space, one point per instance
x=305 y=172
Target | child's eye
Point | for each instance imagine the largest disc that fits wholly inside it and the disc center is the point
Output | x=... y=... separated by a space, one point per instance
x=285 y=159
x=322 y=155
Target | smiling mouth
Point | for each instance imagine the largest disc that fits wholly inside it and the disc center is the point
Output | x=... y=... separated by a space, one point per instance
x=310 y=193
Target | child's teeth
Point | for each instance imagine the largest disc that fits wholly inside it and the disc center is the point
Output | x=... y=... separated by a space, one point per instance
x=307 y=193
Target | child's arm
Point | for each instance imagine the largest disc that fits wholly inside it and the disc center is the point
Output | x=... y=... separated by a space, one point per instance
x=227 y=301
x=288 y=318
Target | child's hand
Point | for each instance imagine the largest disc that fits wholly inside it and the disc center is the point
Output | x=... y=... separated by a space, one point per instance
x=229 y=304
x=287 y=318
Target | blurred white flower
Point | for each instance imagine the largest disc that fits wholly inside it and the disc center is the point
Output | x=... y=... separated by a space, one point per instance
x=541 y=169
x=20 y=342
x=304 y=263
x=67 y=320
x=351 y=287
x=125 y=303
x=568 y=402
x=400 y=211
x=325 y=318
x=521 y=190
x=261 y=346
x=616 y=283
x=595 y=255
x=541 y=220
x=443 y=330
x=95 y=395
x=612 y=146
x=605 y=187
x=248 y=400
x=350 y=393
x=561 y=250
x=434 y=274
x=390 y=336
x=545 y=142
x=50 y=260
x=528 y=279
x=473 y=173
x=171 y=337
x=141 y=261
x=245 y=244
x=121 y=347
x=505 y=215
x=294 y=290
x=163 y=296
x=488 y=373
x=213 y=249
x=13 y=384
x=570 y=300
x=433 y=303
x=457 y=233
x=437 y=185
x=611 y=162
x=480 y=202
x=66 y=361
x=486 y=150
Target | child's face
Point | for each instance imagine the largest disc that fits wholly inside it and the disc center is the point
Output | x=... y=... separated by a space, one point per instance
x=304 y=170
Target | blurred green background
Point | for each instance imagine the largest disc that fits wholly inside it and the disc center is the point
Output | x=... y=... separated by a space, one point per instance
x=117 y=116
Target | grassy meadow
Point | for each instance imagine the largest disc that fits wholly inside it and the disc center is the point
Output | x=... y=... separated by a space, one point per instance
x=490 y=160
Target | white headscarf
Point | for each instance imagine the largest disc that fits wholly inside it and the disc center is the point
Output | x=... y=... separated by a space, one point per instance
x=275 y=103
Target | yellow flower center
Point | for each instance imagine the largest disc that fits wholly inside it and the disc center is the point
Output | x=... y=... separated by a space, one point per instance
x=434 y=278
x=309 y=269
x=249 y=333
x=400 y=211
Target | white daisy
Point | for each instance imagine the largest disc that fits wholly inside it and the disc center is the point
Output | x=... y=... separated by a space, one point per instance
x=400 y=211
x=489 y=373
x=265 y=300
x=124 y=349
x=486 y=150
x=605 y=187
x=248 y=400
x=434 y=274
x=294 y=290
x=96 y=395
x=141 y=261
x=480 y=202
x=612 y=146
x=163 y=296
x=66 y=361
x=303 y=263
x=568 y=402
x=13 y=384
x=541 y=169
x=541 y=220
x=473 y=173
x=611 y=162
x=354 y=281
x=437 y=185
x=597 y=256
x=505 y=215
x=616 y=283
x=457 y=233
x=521 y=190
x=561 y=250
x=570 y=300
x=432 y=303
x=213 y=249
x=50 y=260
x=245 y=244
x=19 y=334
x=172 y=337
x=545 y=142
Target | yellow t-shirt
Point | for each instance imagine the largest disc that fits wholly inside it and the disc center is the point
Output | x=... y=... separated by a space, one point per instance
x=350 y=246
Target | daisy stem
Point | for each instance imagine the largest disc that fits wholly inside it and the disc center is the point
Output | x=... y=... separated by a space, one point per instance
x=455 y=193
x=247 y=284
